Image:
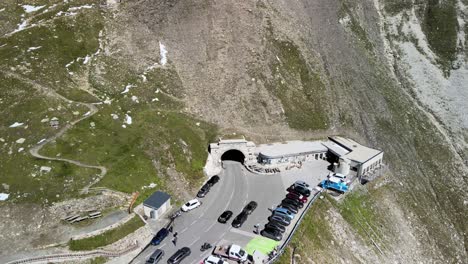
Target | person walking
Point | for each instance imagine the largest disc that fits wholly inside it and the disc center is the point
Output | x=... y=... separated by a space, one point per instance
x=170 y=228
x=256 y=228
x=175 y=234
x=174 y=240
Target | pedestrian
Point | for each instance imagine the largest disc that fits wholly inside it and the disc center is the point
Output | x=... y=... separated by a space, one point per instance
x=175 y=234
x=170 y=229
x=174 y=240
x=256 y=228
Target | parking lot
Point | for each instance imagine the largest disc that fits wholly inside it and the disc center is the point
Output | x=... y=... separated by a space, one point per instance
x=237 y=187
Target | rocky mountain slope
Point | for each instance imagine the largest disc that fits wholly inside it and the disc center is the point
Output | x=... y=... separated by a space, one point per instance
x=167 y=77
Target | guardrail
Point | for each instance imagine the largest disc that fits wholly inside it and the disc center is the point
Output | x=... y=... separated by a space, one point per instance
x=288 y=239
x=63 y=257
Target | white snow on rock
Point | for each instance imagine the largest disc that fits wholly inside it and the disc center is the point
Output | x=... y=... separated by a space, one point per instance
x=114 y=116
x=128 y=119
x=2 y=140
x=86 y=59
x=45 y=120
x=150 y=186
x=163 y=54
x=124 y=126
x=155 y=99
x=75 y=8
x=16 y=124
x=143 y=77
x=31 y=8
x=198 y=124
x=4 y=196
x=20 y=149
x=34 y=48
x=45 y=169
x=21 y=140
x=127 y=88
x=157 y=91
x=21 y=26
x=135 y=99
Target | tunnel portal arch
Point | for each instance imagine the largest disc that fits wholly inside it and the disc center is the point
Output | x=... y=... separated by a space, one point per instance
x=234 y=155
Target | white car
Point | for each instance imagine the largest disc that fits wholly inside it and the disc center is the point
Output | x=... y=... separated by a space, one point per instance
x=214 y=260
x=190 y=205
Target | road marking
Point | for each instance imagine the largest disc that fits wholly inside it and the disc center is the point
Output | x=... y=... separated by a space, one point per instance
x=208 y=229
x=194 y=221
x=162 y=245
x=183 y=230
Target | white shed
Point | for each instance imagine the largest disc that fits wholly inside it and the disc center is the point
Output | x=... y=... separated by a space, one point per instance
x=156 y=205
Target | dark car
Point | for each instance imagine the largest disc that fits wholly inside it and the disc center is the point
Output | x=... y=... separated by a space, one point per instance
x=179 y=255
x=275 y=225
x=224 y=217
x=159 y=237
x=213 y=180
x=272 y=233
x=299 y=190
x=155 y=257
x=290 y=207
x=296 y=196
x=239 y=220
x=293 y=202
x=203 y=191
x=280 y=219
x=250 y=207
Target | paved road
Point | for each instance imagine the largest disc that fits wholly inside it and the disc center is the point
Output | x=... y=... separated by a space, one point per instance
x=235 y=189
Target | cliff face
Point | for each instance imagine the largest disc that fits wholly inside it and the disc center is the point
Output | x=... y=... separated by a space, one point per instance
x=390 y=74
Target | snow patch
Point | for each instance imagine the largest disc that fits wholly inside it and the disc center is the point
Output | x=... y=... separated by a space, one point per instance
x=4 y=196
x=75 y=8
x=16 y=124
x=87 y=113
x=163 y=54
x=143 y=77
x=34 y=48
x=127 y=88
x=114 y=116
x=21 y=140
x=155 y=100
x=31 y=8
x=41 y=141
x=86 y=59
x=150 y=186
x=135 y=99
x=20 y=150
x=128 y=119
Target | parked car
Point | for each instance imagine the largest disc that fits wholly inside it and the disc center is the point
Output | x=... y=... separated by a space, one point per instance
x=283 y=220
x=190 y=205
x=250 y=207
x=214 y=260
x=159 y=237
x=290 y=207
x=284 y=211
x=301 y=184
x=300 y=190
x=203 y=191
x=213 y=180
x=179 y=255
x=272 y=233
x=155 y=257
x=293 y=202
x=239 y=220
x=297 y=196
x=224 y=217
x=276 y=225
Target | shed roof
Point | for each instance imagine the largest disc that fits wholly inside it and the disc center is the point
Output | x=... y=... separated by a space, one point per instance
x=290 y=148
x=357 y=152
x=156 y=200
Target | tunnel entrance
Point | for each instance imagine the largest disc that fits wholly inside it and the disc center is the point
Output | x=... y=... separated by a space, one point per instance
x=233 y=154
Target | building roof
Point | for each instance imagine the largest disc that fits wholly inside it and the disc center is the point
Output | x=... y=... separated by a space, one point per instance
x=156 y=200
x=290 y=148
x=357 y=152
x=335 y=148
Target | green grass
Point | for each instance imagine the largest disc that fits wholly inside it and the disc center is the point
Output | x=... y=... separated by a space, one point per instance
x=298 y=87
x=107 y=237
x=98 y=260
x=394 y=7
x=440 y=26
x=347 y=8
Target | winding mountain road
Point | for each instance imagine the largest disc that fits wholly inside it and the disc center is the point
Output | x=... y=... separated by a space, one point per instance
x=34 y=151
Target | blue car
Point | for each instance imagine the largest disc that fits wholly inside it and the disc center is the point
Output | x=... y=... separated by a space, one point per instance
x=284 y=212
x=159 y=237
x=335 y=184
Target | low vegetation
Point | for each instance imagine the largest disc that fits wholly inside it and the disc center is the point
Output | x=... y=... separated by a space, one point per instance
x=298 y=87
x=107 y=237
